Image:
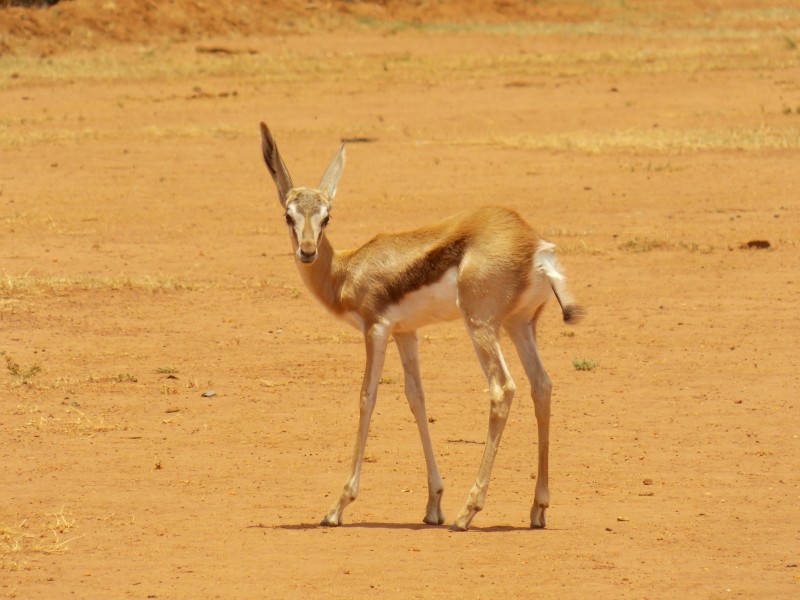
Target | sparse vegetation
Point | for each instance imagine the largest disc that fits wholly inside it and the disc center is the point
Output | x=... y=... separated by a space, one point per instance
x=645 y=244
x=31 y=536
x=135 y=231
x=709 y=52
x=22 y=374
x=583 y=364
x=661 y=141
x=29 y=283
x=119 y=378
x=75 y=422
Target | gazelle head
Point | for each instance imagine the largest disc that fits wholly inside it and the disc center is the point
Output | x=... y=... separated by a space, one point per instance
x=307 y=210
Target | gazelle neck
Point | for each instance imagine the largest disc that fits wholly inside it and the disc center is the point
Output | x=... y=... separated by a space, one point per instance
x=323 y=276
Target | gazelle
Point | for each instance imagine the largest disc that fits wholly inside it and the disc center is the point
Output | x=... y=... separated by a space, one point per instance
x=485 y=266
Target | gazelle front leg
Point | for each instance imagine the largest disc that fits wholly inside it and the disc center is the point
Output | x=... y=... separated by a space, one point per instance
x=408 y=347
x=501 y=392
x=376 y=338
x=541 y=388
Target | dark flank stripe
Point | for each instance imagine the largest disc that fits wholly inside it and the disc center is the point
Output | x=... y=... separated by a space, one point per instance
x=426 y=270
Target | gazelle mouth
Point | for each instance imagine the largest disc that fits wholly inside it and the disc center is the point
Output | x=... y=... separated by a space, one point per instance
x=307 y=258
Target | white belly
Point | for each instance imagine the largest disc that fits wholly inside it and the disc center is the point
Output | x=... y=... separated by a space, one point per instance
x=429 y=304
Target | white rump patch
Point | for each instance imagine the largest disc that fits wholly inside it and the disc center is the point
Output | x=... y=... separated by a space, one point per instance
x=544 y=267
x=545 y=262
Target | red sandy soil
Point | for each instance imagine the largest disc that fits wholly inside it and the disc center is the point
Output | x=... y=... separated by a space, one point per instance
x=144 y=260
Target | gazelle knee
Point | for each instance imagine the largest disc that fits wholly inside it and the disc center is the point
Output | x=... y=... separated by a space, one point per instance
x=501 y=397
x=366 y=404
x=509 y=389
x=350 y=492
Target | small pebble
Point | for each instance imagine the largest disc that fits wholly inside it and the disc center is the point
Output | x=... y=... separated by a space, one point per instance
x=209 y=394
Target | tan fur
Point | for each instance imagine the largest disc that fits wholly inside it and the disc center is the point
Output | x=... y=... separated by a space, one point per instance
x=379 y=273
x=502 y=275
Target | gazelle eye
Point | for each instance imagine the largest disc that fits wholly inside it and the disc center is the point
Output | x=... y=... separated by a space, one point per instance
x=289 y=220
x=325 y=221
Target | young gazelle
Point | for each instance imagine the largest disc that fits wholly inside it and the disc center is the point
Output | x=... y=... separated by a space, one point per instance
x=485 y=266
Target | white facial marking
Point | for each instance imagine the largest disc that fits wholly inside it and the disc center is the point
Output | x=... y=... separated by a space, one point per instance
x=316 y=221
x=297 y=219
x=307 y=226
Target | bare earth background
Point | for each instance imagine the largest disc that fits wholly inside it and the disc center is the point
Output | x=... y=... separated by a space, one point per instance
x=143 y=261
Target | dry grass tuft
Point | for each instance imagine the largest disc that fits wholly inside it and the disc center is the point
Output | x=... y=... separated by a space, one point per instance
x=645 y=244
x=10 y=284
x=22 y=375
x=74 y=422
x=737 y=42
x=659 y=141
x=49 y=534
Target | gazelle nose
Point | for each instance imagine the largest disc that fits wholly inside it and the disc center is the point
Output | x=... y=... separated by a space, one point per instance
x=308 y=256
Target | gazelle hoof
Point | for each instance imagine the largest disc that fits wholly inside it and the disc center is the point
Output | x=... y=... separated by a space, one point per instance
x=329 y=522
x=538 y=520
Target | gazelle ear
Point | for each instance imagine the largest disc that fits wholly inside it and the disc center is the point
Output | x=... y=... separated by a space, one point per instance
x=275 y=166
x=330 y=179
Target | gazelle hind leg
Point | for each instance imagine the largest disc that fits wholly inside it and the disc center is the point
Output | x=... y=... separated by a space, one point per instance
x=522 y=335
x=408 y=347
x=501 y=392
x=376 y=339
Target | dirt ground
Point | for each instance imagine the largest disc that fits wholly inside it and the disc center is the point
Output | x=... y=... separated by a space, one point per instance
x=144 y=261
